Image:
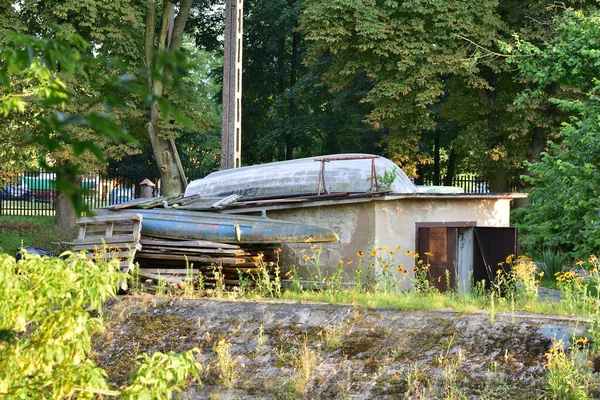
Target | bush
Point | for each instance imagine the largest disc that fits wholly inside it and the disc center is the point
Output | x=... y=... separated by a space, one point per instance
x=49 y=310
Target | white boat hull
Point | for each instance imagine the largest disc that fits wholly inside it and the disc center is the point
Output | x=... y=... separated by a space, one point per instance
x=302 y=177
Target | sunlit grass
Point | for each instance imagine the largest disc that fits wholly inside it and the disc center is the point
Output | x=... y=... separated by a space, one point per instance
x=462 y=303
x=35 y=231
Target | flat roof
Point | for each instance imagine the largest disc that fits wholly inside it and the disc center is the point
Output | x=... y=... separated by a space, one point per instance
x=287 y=203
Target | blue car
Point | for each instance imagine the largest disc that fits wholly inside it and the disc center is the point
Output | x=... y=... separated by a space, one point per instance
x=18 y=192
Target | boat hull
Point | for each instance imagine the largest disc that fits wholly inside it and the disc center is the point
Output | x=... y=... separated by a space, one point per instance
x=224 y=228
x=302 y=177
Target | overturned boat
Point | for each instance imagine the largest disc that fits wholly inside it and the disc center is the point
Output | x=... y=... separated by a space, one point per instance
x=223 y=228
x=340 y=173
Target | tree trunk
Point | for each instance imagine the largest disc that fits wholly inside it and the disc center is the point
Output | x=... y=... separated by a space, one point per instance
x=172 y=177
x=451 y=168
x=65 y=215
x=290 y=142
x=499 y=180
x=436 y=157
x=499 y=175
x=282 y=147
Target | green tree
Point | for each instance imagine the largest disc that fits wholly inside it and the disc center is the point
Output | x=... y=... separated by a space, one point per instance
x=120 y=73
x=565 y=209
x=287 y=113
x=30 y=84
x=406 y=49
x=437 y=80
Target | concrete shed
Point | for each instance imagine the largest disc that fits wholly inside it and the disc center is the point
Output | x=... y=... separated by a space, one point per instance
x=466 y=235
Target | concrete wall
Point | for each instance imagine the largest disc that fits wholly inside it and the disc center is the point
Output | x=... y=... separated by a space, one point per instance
x=371 y=224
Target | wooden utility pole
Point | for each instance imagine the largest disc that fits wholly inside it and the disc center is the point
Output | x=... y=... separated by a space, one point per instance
x=231 y=141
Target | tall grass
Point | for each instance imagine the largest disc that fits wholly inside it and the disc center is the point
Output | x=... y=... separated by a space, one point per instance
x=553 y=262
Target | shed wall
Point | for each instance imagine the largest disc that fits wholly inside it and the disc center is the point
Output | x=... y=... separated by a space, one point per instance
x=365 y=226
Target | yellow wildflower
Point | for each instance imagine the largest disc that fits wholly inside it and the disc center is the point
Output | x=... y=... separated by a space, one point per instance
x=582 y=340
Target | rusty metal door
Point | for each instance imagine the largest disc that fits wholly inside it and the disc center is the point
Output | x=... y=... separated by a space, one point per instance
x=492 y=246
x=441 y=243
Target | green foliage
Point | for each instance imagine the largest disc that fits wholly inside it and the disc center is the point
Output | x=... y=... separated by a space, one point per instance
x=46 y=325
x=553 y=262
x=568 y=377
x=565 y=209
x=387 y=179
x=161 y=374
x=49 y=310
x=405 y=49
x=73 y=85
x=30 y=81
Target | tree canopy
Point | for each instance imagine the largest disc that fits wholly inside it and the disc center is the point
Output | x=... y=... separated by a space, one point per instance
x=100 y=84
x=565 y=211
x=423 y=82
x=426 y=83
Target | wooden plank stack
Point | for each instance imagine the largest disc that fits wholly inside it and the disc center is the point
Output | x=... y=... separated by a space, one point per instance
x=119 y=236
x=114 y=236
x=172 y=260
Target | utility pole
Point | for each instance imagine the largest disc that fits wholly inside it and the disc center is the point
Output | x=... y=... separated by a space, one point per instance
x=231 y=137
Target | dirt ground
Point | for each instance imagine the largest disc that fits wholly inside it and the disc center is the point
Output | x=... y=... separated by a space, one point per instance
x=287 y=350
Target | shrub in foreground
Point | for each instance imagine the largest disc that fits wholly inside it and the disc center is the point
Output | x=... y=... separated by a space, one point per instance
x=49 y=310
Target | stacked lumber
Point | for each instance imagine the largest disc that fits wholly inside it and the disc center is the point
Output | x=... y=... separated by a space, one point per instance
x=110 y=237
x=174 y=260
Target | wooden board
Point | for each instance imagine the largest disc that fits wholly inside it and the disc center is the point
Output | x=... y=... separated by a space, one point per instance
x=166 y=278
x=193 y=251
x=216 y=260
x=146 y=240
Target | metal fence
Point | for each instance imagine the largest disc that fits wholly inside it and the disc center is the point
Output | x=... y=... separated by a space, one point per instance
x=34 y=193
x=471 y=183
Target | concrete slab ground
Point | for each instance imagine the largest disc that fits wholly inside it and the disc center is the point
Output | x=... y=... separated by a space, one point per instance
x=348 y=351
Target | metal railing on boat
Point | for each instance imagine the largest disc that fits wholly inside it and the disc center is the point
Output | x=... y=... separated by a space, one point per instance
x=323 y=160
